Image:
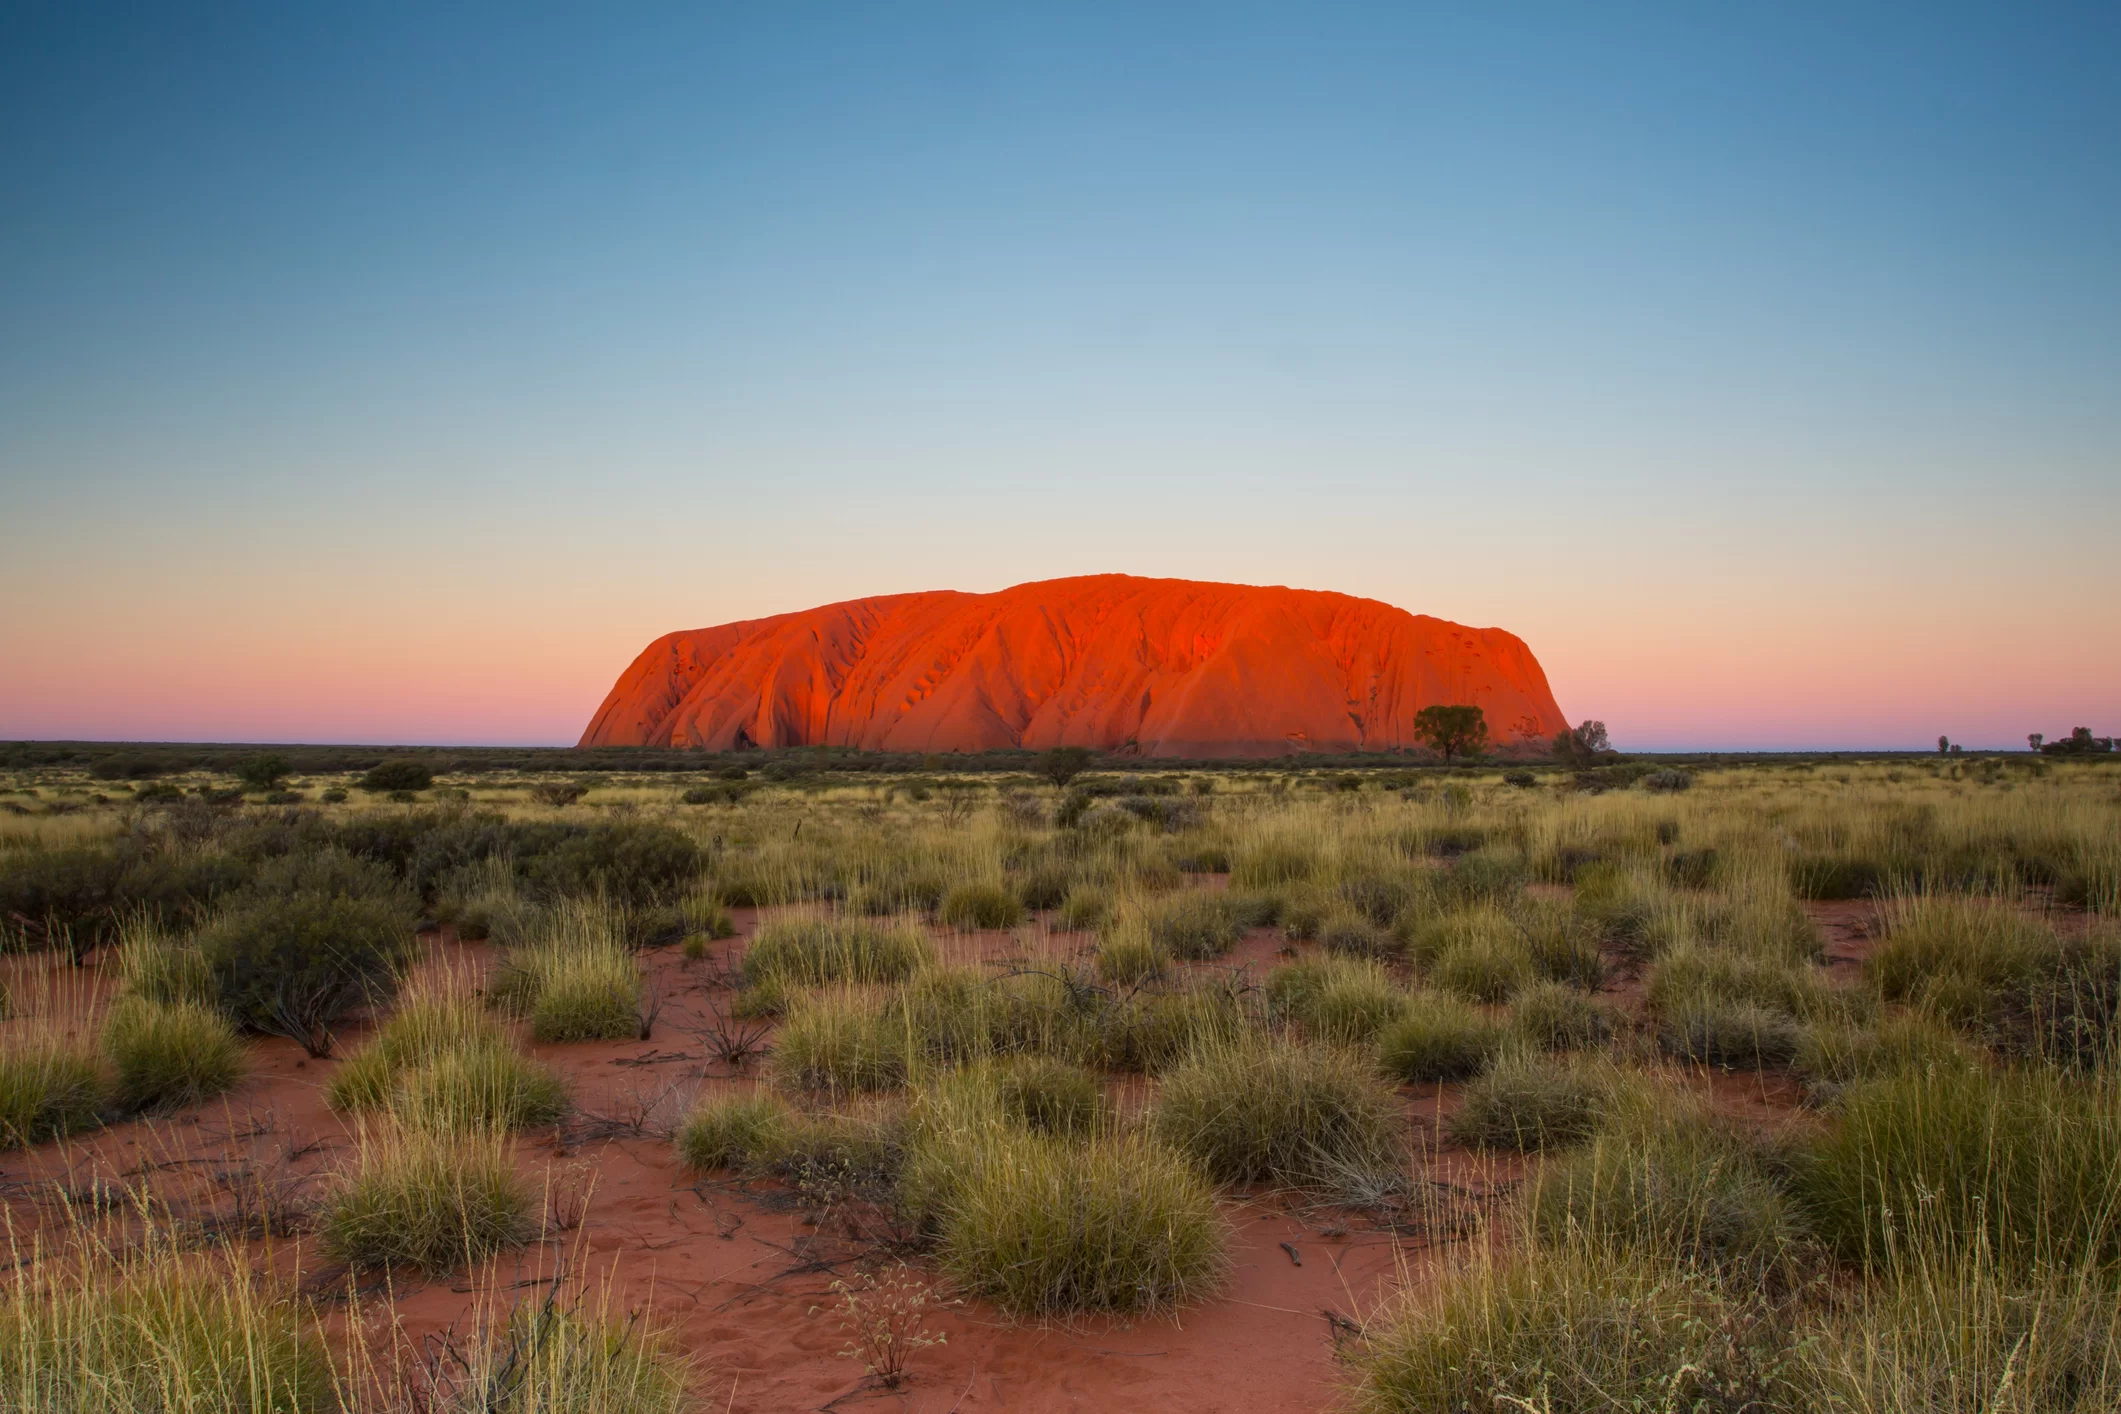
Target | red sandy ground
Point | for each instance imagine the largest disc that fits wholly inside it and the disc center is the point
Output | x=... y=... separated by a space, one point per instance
x=735 y=1275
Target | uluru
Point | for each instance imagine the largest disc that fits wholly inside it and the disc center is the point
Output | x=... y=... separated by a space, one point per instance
x=1158 y=667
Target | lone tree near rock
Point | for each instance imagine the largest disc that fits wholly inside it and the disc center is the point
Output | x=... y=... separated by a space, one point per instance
x=1452 y=731
x=1064 y=763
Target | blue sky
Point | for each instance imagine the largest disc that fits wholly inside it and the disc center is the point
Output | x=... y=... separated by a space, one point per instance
x=398 y=375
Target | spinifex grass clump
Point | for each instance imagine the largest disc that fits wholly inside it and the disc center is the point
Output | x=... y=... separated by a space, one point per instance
x=1043 y=1224
x=50 y=1087
x=1477 y=953
x=732 y=1131
x=169 y=1053
x=1529 y=1103
x=1266 y=1109
x=1336 y=998
x=575 y=978
x=1554 y=1017
x=1192 y=926
x=475 y=1088
x=427 y=1199
x=1667 y=1180
x=842 y=1043
x=1438 y=1037
x=553 y=1359
x=2024 y=1163
x=814 y=952
x=105 y=1328
x=1583 y=1328
x=980 y=905
x=159 y=968
x=1128 y=956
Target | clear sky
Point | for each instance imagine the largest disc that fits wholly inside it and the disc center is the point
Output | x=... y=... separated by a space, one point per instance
x=396 y=376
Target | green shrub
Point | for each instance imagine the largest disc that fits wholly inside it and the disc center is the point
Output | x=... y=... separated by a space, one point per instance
x=1262 y=1109
x=981 y=905
x=1586 y=1329
x=630 y=864
x=1438 y=1037
x=169 y=1054
x=812 y=952
x=429 y=1200
x=2020 y=1168
x=296 y=965
x=1043 y=1225
x=404 y=773
x=1552 y=1017
x=1527 y=1104
x=732 y=1131
x=49 y=1088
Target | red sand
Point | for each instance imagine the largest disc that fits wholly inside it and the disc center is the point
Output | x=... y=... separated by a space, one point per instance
x=1163 y=667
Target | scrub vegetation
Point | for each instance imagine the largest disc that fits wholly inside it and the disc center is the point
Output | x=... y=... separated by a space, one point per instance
x=1794 y=1086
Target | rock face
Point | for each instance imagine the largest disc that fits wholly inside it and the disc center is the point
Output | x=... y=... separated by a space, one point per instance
x=1165 y=667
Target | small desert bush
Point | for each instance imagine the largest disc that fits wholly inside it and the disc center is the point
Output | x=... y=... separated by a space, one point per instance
x=1586 y=1328
x=814 y=952
x=1438 y=1037
x=2023 y=1165
x=1336 y=998
x=1268 y=1109
x=1950 y=955
x=732 y=1131
x=169 y=1054
x=1045 y=1225
x=1554 y=1017
x=981 y=905
x=842 y=1043
x=428 y=1200
x=50 y=1087
x=1193 y=926
x=1528 y=1103
x=299 y=964
x=146 y=1328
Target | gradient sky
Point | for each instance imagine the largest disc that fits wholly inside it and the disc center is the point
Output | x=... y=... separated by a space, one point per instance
x=397 y=376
